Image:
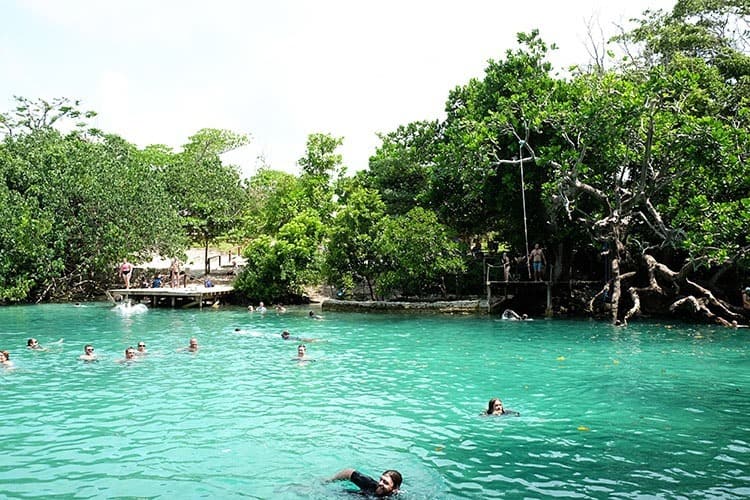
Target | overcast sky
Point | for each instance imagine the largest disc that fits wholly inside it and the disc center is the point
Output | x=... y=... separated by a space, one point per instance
x=157 y=71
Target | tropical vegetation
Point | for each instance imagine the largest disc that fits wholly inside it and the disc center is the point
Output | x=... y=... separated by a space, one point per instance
x=638 y=162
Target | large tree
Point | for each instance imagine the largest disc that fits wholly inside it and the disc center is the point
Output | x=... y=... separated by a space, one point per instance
x=208 y=194
x=655 y=165
x=417 y=252
x=73 y=205
x=351 y=255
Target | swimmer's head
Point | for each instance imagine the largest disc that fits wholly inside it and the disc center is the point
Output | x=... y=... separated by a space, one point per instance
x=301 y=350
x=285 y=334
x=129 y=353
x=390 y=482
x=32 y=342
x=495 y=407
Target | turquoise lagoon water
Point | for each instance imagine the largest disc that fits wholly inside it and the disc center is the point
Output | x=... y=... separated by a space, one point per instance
x=653 y=410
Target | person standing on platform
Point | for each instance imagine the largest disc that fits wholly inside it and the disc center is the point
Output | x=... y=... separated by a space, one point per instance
x=538 y=261
x=506 y=267
x=126 y=269
x=174 y=273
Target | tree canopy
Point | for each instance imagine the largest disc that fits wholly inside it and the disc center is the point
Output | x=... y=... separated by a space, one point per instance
x=642 y=166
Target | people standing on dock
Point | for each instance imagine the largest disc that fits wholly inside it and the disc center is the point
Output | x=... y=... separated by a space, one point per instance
x=538 y=261
x=174 y=273
x=157 y=281
x=520 y=261
x=126 y=269
x=506 y=267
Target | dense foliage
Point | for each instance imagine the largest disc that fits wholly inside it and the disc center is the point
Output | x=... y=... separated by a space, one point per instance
x=642 y=166
x=73 y=205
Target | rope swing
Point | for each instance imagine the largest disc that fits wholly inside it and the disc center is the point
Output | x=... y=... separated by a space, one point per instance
x=523 y=198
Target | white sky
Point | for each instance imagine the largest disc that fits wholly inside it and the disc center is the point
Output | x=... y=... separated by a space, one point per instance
x=157 y=71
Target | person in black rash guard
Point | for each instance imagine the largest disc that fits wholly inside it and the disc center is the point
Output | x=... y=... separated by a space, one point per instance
x=389 y=484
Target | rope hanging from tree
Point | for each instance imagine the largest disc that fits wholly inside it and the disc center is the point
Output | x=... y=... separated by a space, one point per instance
x=523 y=199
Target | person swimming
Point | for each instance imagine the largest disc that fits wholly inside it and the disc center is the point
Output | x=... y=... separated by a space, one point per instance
x=389 y=483
x=192 y=345
x=33 y=343
x=512 y=315
x=495 y=407
x=129 y=356
x=285 y=335
x=5 y=361
x=302 y=354
x=88 y=353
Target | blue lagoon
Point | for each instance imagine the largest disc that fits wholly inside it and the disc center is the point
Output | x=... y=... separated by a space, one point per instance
x=652 y=410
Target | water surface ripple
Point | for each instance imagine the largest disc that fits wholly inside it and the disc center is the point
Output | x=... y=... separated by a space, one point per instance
x=653 y=410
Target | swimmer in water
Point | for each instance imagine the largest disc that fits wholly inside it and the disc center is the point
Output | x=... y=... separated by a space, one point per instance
x=261 y=308
x=495 y=407
x=88 y=353
x=312 y=315
x=389 y=483
x=129 y=356
x=285 y=335
x=302 y=354
x=192 y=346
x=141 y=349
x=5 y=361
x=33 y=343
x=514 y=316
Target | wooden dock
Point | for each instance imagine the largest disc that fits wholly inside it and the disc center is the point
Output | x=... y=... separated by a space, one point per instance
x=190 y=296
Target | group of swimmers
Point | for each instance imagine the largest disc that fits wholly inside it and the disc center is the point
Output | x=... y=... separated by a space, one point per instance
x=32 y=344
x=390 y=480
x=263 y=310
x=89 y=354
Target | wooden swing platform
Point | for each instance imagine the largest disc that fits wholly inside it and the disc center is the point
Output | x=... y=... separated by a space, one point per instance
x=190 y=296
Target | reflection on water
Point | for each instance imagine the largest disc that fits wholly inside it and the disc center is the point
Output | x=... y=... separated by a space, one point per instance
x=650 y=410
